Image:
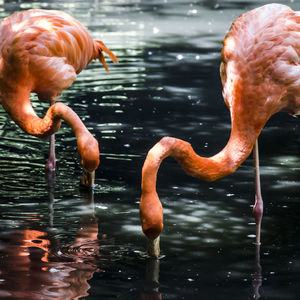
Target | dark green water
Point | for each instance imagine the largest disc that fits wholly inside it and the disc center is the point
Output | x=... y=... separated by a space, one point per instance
x=57 y=242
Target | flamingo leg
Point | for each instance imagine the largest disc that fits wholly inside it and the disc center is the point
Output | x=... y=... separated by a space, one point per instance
x=51 y=163
x=258 y=205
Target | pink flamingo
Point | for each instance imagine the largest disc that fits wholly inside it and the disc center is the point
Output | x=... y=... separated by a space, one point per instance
x=260 y=72
x=42 y=51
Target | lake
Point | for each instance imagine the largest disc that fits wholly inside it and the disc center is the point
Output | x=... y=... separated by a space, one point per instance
x=60 y=242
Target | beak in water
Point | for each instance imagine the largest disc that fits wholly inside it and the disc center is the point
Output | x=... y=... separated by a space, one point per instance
x=88 y=179
x=153 y=247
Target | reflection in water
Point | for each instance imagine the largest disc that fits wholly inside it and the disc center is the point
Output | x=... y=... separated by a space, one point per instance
x=50 y=180
x=36 y=266
x=167 y=83
x=151 y=284
x=257 y=276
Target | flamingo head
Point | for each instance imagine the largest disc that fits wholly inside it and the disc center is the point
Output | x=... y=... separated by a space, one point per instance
x=151 y=214
x=89 y=153
x=87 y=179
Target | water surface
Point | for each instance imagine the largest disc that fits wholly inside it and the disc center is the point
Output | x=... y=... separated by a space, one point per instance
x=57 y=242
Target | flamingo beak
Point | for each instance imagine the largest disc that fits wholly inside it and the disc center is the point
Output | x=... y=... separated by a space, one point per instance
x=153 y=247
x=88 y=179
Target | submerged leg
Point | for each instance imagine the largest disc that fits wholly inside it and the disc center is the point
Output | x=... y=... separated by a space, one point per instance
x=51 y=163
x=257 y=278
x=258 y=206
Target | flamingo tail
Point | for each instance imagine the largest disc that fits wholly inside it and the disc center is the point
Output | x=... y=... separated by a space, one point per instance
x=102 y=48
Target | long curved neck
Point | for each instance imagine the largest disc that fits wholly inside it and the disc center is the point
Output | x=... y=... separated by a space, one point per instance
x=19 y=107
x=208 y=169
x=224 y=163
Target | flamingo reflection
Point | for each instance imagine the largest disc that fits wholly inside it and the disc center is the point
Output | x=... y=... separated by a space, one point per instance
x=257 y=276
x=36 y=266
x=151 y=284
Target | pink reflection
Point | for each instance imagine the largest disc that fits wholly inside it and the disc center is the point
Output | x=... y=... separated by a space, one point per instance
x=33 y=266
x=257 y=276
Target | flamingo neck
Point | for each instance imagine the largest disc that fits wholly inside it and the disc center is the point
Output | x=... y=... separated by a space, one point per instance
x=19 y=107
x=208 y=169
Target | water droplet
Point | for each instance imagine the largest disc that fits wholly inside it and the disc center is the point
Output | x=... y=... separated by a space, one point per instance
x=155 y=30
x=192 y=12
x=101 y=207
x=53 y=270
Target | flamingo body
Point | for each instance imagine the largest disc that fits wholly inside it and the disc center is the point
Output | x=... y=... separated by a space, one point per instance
x=260 y=73
x=260 y=63
x=42 y=51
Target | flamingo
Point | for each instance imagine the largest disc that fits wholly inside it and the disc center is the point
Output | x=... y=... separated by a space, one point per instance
x=42 y=51
x=260 y=73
